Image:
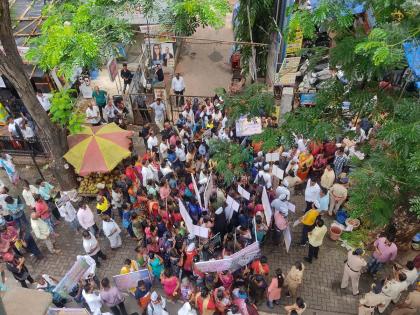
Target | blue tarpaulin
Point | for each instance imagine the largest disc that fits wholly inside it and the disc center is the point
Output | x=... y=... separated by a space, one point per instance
x=412 y=54
x=355 y=6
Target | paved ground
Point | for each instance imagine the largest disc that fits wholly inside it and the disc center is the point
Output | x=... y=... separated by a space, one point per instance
x=204 y=65
x=321 y=287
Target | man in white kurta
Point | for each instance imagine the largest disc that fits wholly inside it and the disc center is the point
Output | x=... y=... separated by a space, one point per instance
x=112 y=231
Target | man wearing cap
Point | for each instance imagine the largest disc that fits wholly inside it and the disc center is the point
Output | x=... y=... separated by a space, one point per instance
x=352 y=270
x=283 y=189
x=316 y=237
x=264 y=178
x=392 y=290
x=338 y=194
x=157 y=305
x=371 y=300
x=280 y=204
x=411 y=305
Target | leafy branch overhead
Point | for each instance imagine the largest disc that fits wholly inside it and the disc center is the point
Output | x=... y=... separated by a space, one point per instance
x=254 y=101
x=63 y=111
x=231 y=159
x=183 y=17
x=77 y=34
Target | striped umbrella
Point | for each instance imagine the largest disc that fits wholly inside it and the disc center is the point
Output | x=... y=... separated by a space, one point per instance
x=98 y=149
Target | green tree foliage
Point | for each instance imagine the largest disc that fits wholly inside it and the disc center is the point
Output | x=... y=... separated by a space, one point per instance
x=77 y=34
x=63 y=111
x=183 y=17
x=262 y=25
x=254 y=101
x=388 y=178
x=231 y=159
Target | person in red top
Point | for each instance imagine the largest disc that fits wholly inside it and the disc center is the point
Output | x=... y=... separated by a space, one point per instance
x=190 y=252
x=41 y=207
x=260 y=266
x=316 y=147
x=205 y=302
x=329 y=150
x=130 y=172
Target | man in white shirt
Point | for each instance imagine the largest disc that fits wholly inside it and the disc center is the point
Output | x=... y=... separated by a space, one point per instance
x=92 y=248
x=180 y=152
x=311 y=193
x=264 y=177
x=93 y=115
x=43 y=100
x=14 y=127
x=178 y=86
x=159 y=108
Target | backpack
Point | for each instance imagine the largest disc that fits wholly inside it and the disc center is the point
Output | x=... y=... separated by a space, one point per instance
x=261 y=180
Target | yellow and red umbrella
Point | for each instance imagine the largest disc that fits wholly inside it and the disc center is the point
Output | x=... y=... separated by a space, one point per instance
x=98 y=149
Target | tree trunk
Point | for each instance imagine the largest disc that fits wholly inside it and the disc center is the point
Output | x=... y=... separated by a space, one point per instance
x=11 y=66
x=407 y=225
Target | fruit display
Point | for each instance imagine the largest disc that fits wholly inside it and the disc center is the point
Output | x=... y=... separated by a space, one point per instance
x=89 y=184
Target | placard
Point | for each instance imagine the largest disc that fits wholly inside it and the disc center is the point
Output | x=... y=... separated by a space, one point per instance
x=277 y=171
x=268 y=212
x=232 y=203
x=191 y=227
x=296 y=223
x=67 y=311
x=130 y=280
x=272 y=157
x=245 y=127
x=243 y=192
x=287 y=238
x=197 y=193
x=208 y=191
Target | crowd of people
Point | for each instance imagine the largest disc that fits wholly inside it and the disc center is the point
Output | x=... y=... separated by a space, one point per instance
x=177 y=166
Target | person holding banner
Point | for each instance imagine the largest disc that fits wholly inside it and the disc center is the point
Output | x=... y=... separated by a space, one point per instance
x=142 y=293
x=157 y=305
x=92 y=299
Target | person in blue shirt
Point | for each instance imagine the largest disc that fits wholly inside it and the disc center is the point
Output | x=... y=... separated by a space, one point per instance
x=324 y=200
x=126 y=219
x=194 y=210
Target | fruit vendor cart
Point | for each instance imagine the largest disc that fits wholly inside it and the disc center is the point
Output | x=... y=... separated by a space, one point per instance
x=95 y=152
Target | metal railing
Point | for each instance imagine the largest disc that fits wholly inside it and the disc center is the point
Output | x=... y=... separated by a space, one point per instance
x=23 y=147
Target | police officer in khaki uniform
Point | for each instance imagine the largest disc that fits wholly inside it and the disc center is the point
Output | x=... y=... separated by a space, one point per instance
x=352 y=270
x=411 y=305
x=371 y=300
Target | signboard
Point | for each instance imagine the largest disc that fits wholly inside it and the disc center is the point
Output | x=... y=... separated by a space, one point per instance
x=268 y=212
x=130 y=280
x=272 y=157
x=232 y=205
x=197 y=192
x=233 y=262
x=72 y=277
x=112 y=68
x=245 y=127
x=277 y=171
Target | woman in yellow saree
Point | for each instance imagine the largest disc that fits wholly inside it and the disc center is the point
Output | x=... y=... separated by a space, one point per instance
x=306 y=159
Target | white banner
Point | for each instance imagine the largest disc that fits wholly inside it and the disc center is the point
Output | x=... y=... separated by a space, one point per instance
x=268 y=212
x=233 y=262
x=277 y=171
x=245 y=127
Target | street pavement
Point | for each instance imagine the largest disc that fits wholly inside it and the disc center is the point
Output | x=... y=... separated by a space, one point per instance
x=320 y=290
